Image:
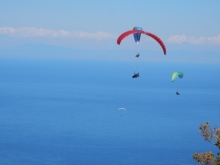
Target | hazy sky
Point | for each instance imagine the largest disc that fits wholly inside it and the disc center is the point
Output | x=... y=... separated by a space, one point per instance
x=192 y=25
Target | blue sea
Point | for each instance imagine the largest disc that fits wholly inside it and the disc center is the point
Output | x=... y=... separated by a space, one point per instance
x=65 y=112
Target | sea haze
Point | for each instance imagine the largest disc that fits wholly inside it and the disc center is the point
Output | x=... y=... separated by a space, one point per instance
x=66 y=112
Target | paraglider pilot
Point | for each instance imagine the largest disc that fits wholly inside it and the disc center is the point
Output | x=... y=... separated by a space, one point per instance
x=137 y=55
x=136 y=75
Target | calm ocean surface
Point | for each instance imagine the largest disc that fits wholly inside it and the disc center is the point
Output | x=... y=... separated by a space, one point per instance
x=60 y=112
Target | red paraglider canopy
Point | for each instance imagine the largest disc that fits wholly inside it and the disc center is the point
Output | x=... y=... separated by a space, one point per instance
x=127 y=33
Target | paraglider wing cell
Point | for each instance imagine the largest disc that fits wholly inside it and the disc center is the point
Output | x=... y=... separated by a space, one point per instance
x=174 y=76
x=158 y=40
x=137 y=36
x=180 y=74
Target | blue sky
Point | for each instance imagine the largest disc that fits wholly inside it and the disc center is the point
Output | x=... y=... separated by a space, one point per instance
x=95 y=25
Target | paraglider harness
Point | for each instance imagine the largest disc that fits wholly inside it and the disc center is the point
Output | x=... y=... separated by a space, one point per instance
x=137 y=55
x=136 y=75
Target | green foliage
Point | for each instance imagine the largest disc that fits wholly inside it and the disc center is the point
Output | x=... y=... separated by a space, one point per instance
x=204 y=158
x=212 y=136
x=218 y=159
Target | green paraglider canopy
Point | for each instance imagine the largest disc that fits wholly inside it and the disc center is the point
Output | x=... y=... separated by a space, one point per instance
x=175 y=75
